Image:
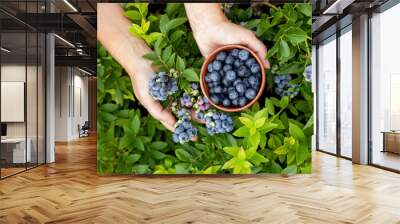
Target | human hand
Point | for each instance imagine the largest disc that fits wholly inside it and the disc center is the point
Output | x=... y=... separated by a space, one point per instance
x=212 y=29
x=128 y=50
x=225 y=33
x=140 y=84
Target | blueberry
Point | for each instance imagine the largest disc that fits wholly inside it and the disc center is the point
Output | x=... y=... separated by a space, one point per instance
x=242 y=71
x=208 y=77
x=229 y=60
x=237 y=81
x=250 y=94
x=186 y=125
x=235 y=102
x=231 y=88
x=243 y=55
x=226 y=102
x=175 y=138
x=217 y=89
x=221 y=56
x=215 y=99
x=217 y=65
x=179 y=129
x=211 y=85
x=250 y=62
x=255 y=68
x=252 y=80
x=209 y=67
x=230 y=75
x=214 y=76
x=240 y=88
x=183 y=137
x=227 y=68
x=233 y=95
x=235 y=52
x=225 y=82
x=237 y=63
x=242 y=101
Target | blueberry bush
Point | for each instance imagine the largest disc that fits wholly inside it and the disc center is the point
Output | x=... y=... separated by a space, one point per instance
x=273 y=136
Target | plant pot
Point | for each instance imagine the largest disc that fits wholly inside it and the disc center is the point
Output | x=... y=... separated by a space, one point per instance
x=204 y=86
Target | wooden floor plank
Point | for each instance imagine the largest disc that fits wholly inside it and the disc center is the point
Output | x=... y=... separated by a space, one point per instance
x=70 y=191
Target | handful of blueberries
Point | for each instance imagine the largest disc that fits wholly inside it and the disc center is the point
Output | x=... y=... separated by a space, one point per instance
x=233 y=78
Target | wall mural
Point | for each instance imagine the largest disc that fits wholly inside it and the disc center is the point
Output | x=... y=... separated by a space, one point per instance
x=205 y=97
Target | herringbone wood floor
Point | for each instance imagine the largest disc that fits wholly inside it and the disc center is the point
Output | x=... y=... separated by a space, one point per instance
x=70 y=191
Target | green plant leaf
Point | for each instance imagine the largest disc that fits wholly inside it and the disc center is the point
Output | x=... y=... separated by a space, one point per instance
x=158 y=145
x=183 y=155
x=282 y=150
x=284 y=49
x=241 y=132
x=133 y=15
x=290 y=170
x=172 y=24
x=284 y=102
x=233 y=151
x=180 y=64
x=247 y=122
x=190 y=75
x=296 y=132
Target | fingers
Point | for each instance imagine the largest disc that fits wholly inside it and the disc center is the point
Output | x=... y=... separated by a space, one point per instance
x=257 y=46
x=158 y=112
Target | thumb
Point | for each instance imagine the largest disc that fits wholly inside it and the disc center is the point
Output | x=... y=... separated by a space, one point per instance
x=258 y=47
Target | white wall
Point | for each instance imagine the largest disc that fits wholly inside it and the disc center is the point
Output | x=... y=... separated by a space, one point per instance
x=71 y=94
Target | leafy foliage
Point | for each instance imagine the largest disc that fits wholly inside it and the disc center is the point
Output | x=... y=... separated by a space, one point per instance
x=273 y=139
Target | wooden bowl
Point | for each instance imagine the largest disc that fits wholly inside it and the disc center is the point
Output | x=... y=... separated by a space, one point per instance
x=204 y=70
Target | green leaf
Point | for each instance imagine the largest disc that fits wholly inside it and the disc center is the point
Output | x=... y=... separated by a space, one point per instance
x=152 y=56
x=259 y=122
x=293 y=68
x=176 y=35
x=133 y=15
x=109 y=107
x=305 y=8
x=180 y=64
x=233 y=151
x=296 y=132
x=157 y=155
x=241 y=132
x=182 y=155
x=255 y=139
x=257 y=159
x=296 y=35
x=212 y=169
x=163 y=23
x=284 y=102
x=135 y=124
x=174 y=23
x=241 y=154
x=190 y=75
x=282 y=150
x=167 y=52
x=290 y=170
x=284 y=49
x=133 y=158
x=302 y=153
x=141 y=169
x=158 y=145
x=247 y=122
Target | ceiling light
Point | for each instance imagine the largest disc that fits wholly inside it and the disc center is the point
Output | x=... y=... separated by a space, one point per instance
x=64 y=40
x=84 y=71
x=70 y=5
x=5 y=50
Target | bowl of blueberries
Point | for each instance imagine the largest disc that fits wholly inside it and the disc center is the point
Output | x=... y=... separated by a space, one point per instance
x=232 y=78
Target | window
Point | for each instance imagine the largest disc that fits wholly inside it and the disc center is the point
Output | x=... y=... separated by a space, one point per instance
x=346 y=75
x=327 y=96
x=385 y=89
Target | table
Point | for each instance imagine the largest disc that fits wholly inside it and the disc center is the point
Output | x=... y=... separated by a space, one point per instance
x=391 y=141
x=16 y=147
